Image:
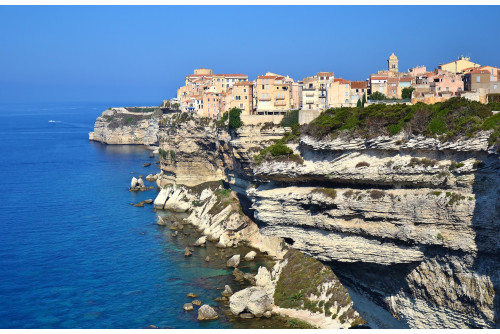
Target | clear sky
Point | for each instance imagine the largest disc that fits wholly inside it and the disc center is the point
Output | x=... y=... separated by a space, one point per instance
x=143 y=53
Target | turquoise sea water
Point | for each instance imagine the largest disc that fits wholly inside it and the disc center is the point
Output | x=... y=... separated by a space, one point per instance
x=73 y=252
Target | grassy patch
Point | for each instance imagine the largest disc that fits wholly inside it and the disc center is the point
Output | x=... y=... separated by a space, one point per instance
x=328 y=192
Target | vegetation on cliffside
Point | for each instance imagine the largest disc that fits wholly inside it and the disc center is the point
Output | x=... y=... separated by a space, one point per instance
x=447 y=120
x=305 y=283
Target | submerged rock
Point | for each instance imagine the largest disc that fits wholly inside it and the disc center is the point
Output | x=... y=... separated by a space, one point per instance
x=192 y=295
x=197 y=302
x=207 y=259
x=187 y=253
x=206 y=312
x=234 y=261
x=238 y=275
x=147 y=164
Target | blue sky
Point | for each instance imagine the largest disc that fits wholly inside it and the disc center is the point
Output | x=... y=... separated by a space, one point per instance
x=142 y=53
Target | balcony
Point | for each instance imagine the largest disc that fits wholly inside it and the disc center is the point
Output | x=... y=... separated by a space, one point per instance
x=309 y=101
x=279 y=103
x=265 y=99
x=308 y=89
x=309 y=94
x=280 y=97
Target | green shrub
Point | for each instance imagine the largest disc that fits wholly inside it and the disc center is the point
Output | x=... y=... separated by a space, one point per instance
x=235 y=119
x=290 y=119
x=362 y=164
x=328 y=192
x=448 y=120
x=377 y=194
x=440 y=237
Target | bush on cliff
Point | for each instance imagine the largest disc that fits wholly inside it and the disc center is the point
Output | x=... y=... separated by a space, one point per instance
x=234 y=119
x=290 y=119
x=277 y=152
x=447 y=120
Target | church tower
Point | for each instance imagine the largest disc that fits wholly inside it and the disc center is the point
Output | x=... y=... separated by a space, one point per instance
x=393 y=63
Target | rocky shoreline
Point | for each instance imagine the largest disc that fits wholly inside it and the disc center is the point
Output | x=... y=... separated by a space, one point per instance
x=406 y=222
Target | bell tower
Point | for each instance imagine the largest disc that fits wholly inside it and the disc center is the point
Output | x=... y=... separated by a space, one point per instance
x=392 y=63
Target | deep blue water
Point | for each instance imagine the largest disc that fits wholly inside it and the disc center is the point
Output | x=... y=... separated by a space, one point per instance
x=73 y=252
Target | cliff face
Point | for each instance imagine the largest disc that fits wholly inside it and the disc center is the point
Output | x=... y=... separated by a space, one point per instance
x=120 y=126
x=408 y=223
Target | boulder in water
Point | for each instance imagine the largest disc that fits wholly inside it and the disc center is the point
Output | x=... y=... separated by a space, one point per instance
x=187 y=253
x=197 y=302
x=234 y=261
x=250 y=256
x=227 y=291
x=206 y=312
x=253 y=299
x=200 y=241
x=192 y=295
x=188 y=307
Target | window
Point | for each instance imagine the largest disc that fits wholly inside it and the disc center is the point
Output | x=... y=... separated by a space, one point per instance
x=244 y=90
x=346 y=100
x=346 y=85
x=495 y=87
x=262 y=86
x=346 y=94
x=492 y=72
x=393 y=85
x=381 y=89
x=478 y=79
x=393 y=92
x=492 y=78
x=447 y=89
x=246 y=97
x=263 y=95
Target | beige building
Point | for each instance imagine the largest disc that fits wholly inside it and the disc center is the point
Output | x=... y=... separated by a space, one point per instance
x=459 y=65
x=242 y=97
x=339 y=94
x=272 y=94
x=314 y=91
x=358 y=89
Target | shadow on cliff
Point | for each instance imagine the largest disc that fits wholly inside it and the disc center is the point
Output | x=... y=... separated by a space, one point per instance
x=486 y=224
x=368 y=284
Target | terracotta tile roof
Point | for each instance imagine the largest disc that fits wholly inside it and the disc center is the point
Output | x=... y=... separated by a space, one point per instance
x=359 y=84
x=326 y=74
x=270 y=77
x=244 y=83
x=230 y=75
x=476 y=71
x=342 y=81
x=199 y=75
x=405 y=79
x=378 y=77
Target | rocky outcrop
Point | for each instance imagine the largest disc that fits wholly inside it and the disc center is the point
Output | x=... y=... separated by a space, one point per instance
x=406 y=223
x=173 y=198
x=187 y=146
x=120 y=126
x=254 y=300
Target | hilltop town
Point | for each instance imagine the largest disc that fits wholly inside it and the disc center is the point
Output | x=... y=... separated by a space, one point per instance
x=211 y=95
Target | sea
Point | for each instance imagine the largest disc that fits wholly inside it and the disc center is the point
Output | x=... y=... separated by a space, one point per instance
x=74 y=252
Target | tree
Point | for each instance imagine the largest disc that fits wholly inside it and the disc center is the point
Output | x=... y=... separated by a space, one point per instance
x=406 y=93
x=359 y=104
x=168 y=104
x=378 y=96
x=176 y=106
x=235 y=119
x=364 y=101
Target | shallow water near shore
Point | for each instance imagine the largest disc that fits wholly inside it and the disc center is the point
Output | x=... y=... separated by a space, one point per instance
x=74 y=253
